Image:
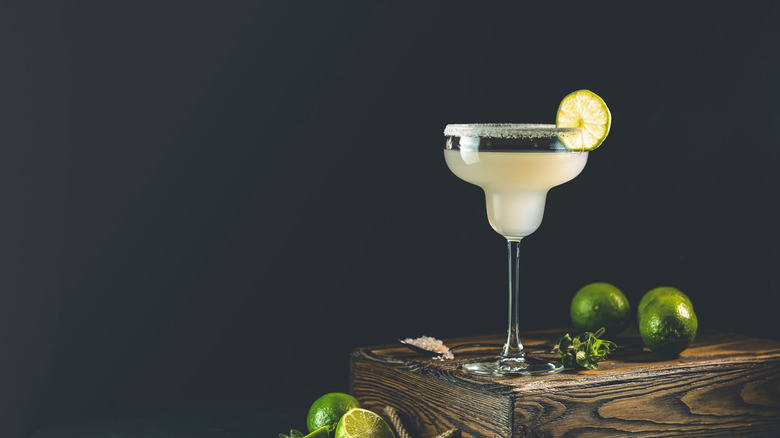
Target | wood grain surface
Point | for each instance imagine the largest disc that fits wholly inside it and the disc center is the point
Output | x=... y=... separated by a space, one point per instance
x=724 y=385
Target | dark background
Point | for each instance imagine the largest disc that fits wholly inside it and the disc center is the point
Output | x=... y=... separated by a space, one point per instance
x=208 y=205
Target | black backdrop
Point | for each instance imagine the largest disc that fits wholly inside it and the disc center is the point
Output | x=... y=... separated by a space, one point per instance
x=212 y=203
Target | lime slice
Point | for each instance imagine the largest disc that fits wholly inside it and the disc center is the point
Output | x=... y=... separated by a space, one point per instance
x=584 y=109
x=322 y=432
x=362 y=423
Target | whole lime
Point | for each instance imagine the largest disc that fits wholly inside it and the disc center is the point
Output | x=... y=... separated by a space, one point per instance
x=328 y=409
x=668 y=325
x=600 y=305
x=660 y=292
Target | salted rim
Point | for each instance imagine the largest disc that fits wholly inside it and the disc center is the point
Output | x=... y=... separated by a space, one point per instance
x=506 y=130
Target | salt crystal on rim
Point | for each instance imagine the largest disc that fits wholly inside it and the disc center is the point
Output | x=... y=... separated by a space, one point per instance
x=506 y=130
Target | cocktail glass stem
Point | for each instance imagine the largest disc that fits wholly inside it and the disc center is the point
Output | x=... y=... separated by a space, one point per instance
x=513 y=348
x=513 y=360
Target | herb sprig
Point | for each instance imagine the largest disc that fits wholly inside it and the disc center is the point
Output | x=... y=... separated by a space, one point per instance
x=584 y=350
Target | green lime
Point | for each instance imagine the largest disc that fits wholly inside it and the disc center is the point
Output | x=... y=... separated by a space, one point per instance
x=328 y=410
x=659 y=292
x=668 y=325
x=322 y=432
x=600 y=305
x=584 y=109
x=362 y=423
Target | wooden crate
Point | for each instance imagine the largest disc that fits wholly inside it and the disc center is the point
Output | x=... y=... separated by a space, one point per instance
x=723 y=385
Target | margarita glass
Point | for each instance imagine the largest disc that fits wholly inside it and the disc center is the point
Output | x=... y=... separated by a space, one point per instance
x=516 y=165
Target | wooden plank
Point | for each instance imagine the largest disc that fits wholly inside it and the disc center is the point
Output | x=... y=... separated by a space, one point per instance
x=426 y=400
x=723 y=385
x=734 y=399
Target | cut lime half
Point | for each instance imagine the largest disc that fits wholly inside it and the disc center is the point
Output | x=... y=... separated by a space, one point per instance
x=586 y=110
x=362 y=423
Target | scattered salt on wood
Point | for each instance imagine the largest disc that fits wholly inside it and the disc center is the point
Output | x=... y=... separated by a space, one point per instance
x=432 y=344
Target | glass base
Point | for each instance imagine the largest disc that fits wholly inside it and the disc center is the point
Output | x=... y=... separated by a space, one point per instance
x=514 y=366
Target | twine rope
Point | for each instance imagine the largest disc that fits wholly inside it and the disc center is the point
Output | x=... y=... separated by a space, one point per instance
x=395 y=420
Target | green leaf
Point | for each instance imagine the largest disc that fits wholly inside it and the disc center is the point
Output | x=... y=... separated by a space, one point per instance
x=584 y=350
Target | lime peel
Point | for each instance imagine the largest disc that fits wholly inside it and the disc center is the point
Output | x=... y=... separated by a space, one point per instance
x=322 y=432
